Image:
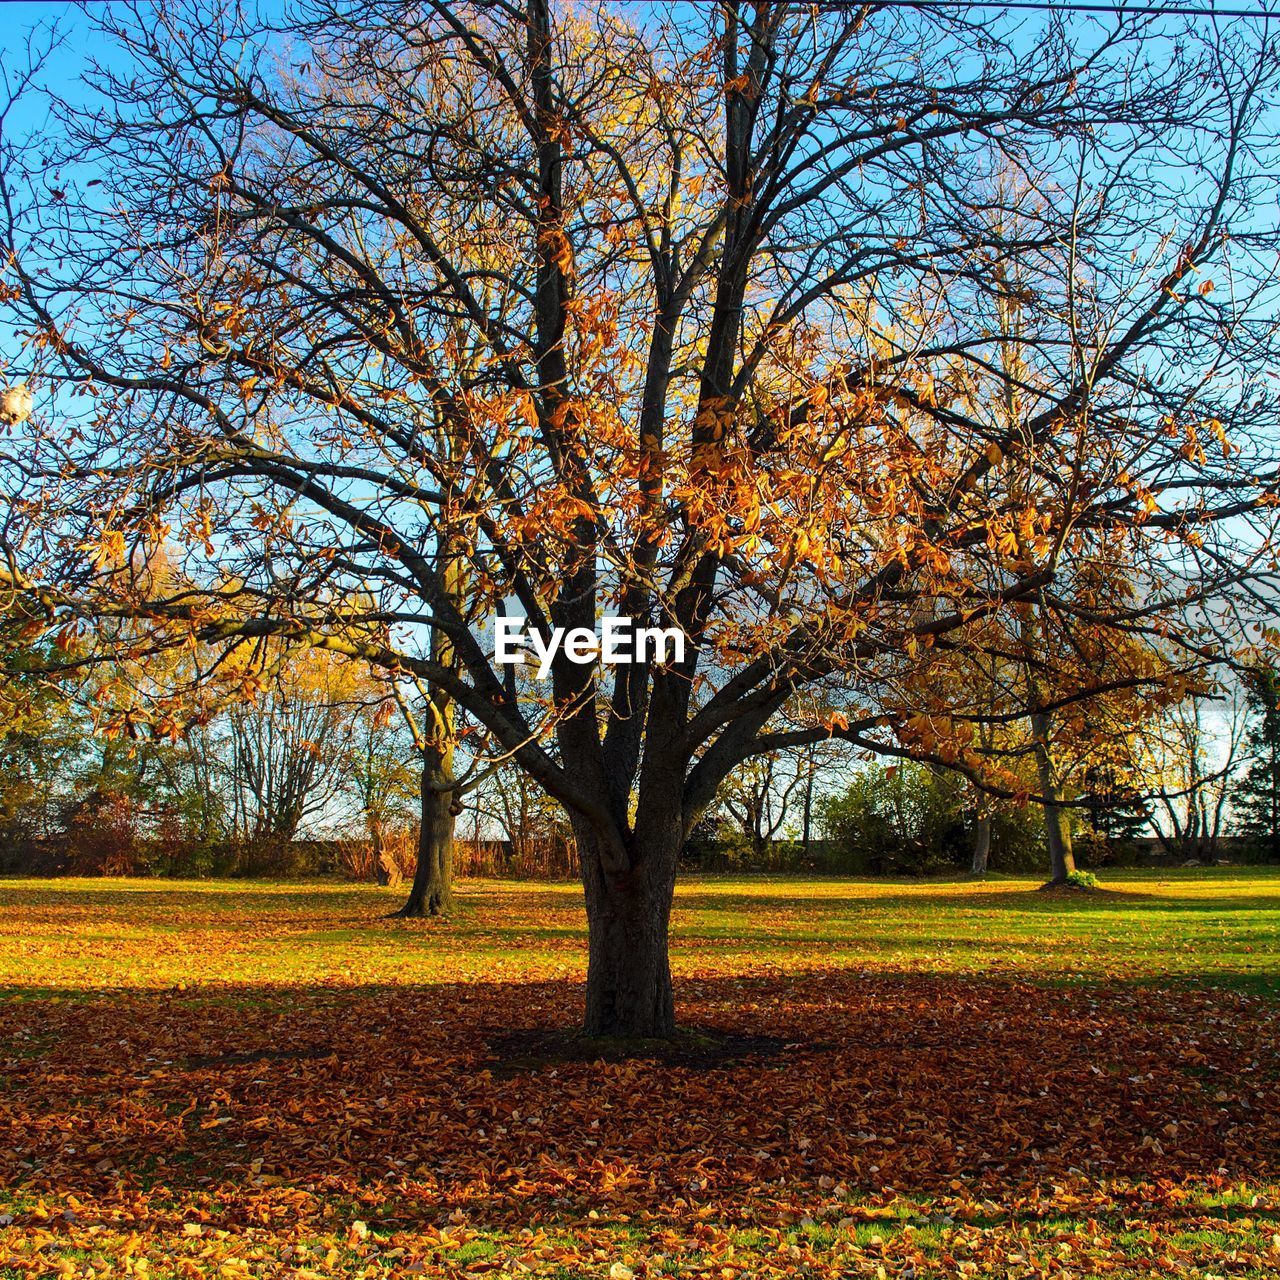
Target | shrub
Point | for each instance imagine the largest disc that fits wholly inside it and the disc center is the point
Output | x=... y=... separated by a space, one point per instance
x=387 y=861
x=101 y=835
x=1017 y=838
x=896 y=820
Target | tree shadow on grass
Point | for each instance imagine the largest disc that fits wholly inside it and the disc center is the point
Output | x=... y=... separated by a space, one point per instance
x=396 y=1099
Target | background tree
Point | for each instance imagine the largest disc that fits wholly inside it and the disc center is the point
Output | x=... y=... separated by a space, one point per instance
x=1256 y=796
x=897 y=820
x=41 y=732
x=509 y=805
x=762 y=794
x=1188 y=757
x=379 y=769
x=288 y=740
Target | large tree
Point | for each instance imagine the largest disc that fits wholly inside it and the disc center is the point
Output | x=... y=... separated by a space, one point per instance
x=650 y=314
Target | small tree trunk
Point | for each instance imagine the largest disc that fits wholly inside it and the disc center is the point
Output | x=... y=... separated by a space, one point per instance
x=432 y=889
x=807 y=825
x=981 y=843
x=381 y=869
x=628 y=967
x=1061 y=859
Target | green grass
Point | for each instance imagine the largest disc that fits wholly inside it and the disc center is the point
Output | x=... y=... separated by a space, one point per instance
x=1218 y=925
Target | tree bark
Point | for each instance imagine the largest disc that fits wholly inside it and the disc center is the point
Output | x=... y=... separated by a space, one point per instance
x=628 y=967
x=1061 y=858
x=381 y=869
x=807 y=825
x=432 y=891
x=981 y=844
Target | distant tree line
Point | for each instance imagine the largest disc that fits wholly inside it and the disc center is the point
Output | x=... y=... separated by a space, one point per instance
x=298 y=762
x=312 y=769
x=1199 y=782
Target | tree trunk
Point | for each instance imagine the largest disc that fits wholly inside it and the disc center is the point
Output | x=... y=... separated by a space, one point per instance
x=381 y=869
x=432 y=889
x=628 y=968
x=807 y=826
x=981 y=844
x=1061 y=859
x=760 y=842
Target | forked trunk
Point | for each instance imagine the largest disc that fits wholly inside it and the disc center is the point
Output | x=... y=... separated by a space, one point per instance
x=432 y=888
x=628 y=968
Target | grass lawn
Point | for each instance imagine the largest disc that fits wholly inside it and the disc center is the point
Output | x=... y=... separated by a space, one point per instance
x=245 y=1079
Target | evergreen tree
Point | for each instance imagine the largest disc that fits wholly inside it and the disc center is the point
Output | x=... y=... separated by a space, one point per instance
x=1257 y=797
x=1115 y=811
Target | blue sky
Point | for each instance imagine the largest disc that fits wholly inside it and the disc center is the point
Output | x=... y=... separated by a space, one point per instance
x=30 y=23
